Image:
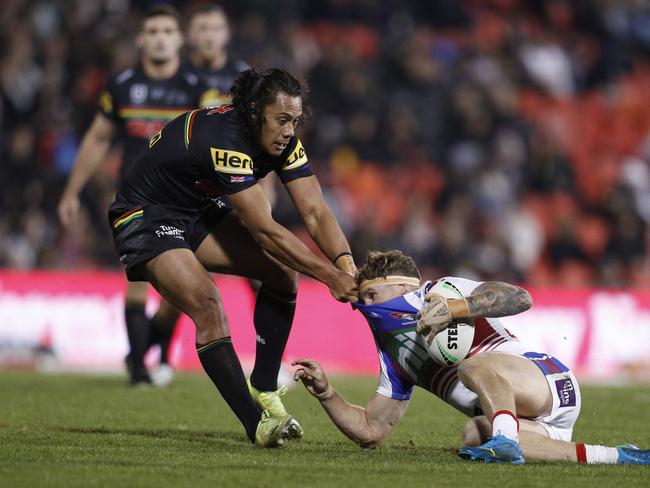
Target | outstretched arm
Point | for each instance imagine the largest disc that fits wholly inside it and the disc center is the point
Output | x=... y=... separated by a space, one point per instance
x=320 y=222
x=489 y=299
x=368 y=426
x=254 y=211
x=93 y=149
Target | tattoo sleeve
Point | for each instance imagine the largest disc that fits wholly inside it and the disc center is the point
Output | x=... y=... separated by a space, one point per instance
x=498 y=299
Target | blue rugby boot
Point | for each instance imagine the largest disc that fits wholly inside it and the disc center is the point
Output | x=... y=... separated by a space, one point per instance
x=498 y=449
x=630 y=454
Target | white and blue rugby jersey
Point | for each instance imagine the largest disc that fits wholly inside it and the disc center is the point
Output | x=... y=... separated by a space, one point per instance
x=403 y=355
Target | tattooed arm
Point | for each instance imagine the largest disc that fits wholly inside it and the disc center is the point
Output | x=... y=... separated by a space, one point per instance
x=497 y=299
x=489 y=299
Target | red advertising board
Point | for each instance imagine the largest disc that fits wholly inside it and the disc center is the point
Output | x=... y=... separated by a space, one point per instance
x=78 y=319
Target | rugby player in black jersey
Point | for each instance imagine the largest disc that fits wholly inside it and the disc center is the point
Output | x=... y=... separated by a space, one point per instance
x=208 y=36
x=136 y=104
x=171 y=228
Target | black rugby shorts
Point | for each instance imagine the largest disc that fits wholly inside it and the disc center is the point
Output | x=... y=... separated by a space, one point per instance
x=141 y=233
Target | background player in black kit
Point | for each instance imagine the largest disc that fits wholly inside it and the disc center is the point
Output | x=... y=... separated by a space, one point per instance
x=171 y=228
x=136 y=104
x=208 y=36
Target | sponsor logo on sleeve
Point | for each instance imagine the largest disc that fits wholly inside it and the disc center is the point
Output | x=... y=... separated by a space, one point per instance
x=566 y=392
x=297 y=158
x=231 y=162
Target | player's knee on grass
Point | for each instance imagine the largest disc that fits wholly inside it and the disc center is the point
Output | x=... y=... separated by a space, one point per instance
x=477 y=430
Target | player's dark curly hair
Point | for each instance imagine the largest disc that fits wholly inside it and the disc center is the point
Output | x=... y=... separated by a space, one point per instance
x=253 y=90
x=380 y=264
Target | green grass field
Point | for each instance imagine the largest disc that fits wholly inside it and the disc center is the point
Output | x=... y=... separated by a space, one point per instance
x=71 y=430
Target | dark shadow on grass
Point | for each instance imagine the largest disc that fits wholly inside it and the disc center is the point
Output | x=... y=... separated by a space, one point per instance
x=177 y=434
x=343 y=449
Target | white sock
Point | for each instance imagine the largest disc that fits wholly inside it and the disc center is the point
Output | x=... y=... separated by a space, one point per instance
x=601 y=454
x=505 y=423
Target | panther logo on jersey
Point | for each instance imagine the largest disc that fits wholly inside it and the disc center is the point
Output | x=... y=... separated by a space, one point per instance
x=221 y=109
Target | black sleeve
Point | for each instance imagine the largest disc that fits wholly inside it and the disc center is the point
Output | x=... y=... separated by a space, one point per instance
x=109 y=102
x=295 y=164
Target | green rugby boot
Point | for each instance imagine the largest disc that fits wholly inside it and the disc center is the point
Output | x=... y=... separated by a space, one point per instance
x=270 y=400
x=272 y=431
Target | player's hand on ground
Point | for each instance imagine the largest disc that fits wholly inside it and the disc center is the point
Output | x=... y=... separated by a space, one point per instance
x=313 y=377
x=344 y=288
x=434 y=316
x=68 y=209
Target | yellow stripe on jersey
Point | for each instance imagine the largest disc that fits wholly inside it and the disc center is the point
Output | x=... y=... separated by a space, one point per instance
x=189 y=119
x=151 y=113
x=128 y=217
x=231 y=162
x=297 y=158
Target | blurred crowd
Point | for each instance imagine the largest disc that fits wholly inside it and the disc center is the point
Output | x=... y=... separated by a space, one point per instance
x=501 y=139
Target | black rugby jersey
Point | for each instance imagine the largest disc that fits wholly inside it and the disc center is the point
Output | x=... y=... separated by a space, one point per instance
x=219 y=81
x=141 y=106
x=205 y=154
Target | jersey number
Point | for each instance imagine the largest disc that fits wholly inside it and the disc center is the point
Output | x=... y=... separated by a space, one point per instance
x=155 y=138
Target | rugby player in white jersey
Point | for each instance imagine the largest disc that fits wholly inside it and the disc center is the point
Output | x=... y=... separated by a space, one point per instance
x=521 y=404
